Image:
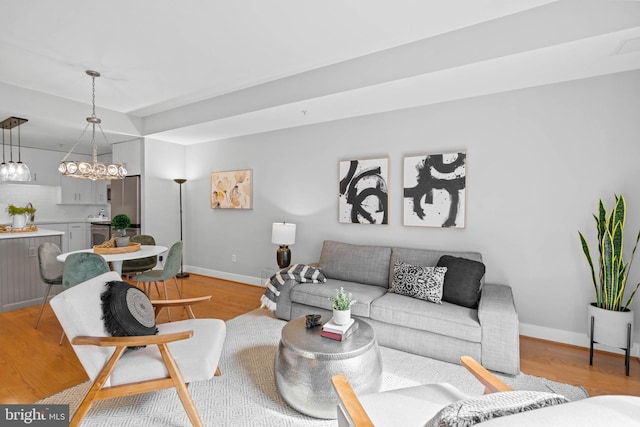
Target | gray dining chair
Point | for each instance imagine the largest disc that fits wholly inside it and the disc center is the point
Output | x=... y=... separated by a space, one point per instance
x=50 y=271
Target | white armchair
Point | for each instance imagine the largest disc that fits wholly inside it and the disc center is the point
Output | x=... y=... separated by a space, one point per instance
x=182 y=352
x=415 y=406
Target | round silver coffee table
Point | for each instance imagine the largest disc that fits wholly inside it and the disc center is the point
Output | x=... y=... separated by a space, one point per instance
x=306 y=361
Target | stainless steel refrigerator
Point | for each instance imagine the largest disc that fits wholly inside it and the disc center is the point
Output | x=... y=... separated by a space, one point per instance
x=125 y=199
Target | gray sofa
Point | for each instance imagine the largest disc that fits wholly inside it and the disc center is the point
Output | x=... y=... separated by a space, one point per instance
x=488 y=333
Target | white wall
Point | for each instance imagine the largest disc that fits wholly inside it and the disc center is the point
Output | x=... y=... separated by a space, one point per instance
x=538 y=161
x=163 y=162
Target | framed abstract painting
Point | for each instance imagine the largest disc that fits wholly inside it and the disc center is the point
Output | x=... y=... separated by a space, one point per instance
x=434 y=190
x=363 y=191
x=232 y=189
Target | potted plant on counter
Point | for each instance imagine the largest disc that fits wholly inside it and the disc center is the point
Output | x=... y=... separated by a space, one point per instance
x=342 y=303
x=121 y=222
x=20 y=216
x=610 y=320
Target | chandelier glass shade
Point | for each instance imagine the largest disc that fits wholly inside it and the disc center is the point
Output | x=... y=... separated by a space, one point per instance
x=13 y=171
x=94 y=169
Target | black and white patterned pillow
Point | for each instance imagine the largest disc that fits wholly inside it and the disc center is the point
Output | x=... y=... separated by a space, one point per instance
x=468 y=412
x=418 y=282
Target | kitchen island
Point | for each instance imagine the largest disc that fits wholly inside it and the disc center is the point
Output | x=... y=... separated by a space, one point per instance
x=20 y=283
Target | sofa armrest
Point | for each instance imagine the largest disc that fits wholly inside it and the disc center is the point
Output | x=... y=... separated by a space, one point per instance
x=283 y=307
x=500 y=329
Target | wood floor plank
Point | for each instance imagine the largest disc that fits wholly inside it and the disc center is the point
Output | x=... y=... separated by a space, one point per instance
x=34 y=366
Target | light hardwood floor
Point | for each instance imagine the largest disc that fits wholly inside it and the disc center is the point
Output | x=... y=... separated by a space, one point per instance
x=33 y=365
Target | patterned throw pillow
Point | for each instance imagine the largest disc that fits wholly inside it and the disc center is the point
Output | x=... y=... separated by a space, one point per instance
x=418 y=282
x=127 y=311
x=468 y=412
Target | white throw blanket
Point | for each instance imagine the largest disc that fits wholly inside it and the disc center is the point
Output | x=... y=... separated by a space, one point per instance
x=301 y=273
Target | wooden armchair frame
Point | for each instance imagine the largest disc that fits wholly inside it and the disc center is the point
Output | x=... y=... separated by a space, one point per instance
x=159 y=305
x=175 y=379
x=359 y=416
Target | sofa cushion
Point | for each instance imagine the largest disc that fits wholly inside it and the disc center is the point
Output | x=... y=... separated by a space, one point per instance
x=445 y=319
x=416 y=281
x=356 y=263
x=317 y=295
x=462 y=282
x=475 y=410
x=427 y=257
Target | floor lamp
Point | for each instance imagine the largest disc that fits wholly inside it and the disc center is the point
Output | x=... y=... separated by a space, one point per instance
x=181 y=181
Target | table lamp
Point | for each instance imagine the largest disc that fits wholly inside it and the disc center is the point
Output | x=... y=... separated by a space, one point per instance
x=283 y=234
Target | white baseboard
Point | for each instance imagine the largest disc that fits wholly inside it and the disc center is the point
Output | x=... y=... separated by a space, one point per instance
x=568 y=337
x=535 y=331
x=249 y=280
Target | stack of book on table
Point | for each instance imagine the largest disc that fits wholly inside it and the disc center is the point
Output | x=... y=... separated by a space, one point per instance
x=338 y=332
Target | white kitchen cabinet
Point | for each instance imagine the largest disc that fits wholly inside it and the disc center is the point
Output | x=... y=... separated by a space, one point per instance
x=77 y=236
x=76 y=191
x=43 y=165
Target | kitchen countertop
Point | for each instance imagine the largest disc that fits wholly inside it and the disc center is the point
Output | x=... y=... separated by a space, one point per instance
x=66 y=221
x=40 y=233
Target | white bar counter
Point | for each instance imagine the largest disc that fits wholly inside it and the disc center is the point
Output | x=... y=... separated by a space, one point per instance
x=42 y=232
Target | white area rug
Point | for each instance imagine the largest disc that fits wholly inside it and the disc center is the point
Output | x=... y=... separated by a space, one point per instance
x=245 y=394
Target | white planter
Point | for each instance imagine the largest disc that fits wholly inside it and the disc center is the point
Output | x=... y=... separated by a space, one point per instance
x=19 y=221
x=610 y=327
x=341 y=317
x=122 y=242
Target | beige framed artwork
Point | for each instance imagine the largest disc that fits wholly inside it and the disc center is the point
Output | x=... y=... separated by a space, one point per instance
x=232 y=189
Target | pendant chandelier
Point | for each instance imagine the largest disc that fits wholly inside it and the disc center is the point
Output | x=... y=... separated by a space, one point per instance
x=91 y=170
x=13 y=171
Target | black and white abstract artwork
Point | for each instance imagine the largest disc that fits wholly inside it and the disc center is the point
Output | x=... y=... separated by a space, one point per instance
x=364 y=195
x=434 y=190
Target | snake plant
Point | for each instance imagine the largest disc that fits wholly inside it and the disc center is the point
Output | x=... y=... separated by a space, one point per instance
x=613 y=269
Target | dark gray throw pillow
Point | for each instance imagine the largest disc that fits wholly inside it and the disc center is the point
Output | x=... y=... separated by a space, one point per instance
x=127 y=311
x=462 y=280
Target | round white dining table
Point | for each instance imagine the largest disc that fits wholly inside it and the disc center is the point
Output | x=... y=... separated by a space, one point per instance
x=115 y=260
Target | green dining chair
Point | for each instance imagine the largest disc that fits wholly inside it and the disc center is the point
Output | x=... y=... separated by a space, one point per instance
x=171 y=268
x=50 y=271
x=140 y=265
x=80 y=267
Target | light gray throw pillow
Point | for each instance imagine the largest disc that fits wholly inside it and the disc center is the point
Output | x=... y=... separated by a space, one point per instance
x=420 y=282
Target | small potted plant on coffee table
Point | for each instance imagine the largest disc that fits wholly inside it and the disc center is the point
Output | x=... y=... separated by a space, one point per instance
x=342 y=303
x=121 y=222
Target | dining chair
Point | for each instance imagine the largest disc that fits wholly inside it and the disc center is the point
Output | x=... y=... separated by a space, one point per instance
x=80 y=267
x=171 y=268
x=50 y=271
x=182 y=352
x=140 y=265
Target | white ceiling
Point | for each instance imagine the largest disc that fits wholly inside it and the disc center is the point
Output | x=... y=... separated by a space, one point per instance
x=202 y=70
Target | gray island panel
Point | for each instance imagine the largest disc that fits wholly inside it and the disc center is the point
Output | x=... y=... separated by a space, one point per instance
x=20 y=283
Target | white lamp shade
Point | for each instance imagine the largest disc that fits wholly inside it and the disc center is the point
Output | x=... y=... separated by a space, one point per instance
x=283 y=233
